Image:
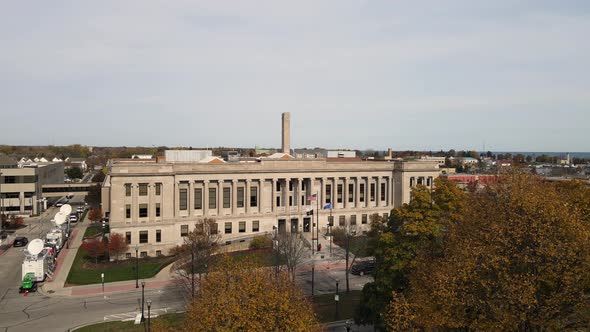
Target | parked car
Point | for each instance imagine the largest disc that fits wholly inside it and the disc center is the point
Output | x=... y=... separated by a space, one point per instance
x=20 y=241
x=73 y=218
x=59 y=204
x=363 y=267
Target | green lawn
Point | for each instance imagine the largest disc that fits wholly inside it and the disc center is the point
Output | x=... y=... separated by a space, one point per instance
x=325 y=306
x=92 y=230
x=84 y=271
x=172 y=320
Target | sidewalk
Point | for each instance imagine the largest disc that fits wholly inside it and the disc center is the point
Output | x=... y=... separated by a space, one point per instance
x=65 y=261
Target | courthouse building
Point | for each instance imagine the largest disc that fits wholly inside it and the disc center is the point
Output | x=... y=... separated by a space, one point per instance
x=154 y=203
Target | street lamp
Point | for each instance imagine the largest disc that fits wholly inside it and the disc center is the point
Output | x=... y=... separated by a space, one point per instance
x=136 y=266
x=142 y=299
x=149 y=303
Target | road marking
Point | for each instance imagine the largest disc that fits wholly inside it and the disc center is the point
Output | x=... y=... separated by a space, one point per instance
x=126 y=316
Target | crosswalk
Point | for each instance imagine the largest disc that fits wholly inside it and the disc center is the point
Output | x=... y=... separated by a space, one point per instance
x=129 y=316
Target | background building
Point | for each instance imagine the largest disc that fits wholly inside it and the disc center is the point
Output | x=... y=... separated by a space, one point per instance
x=154 y=204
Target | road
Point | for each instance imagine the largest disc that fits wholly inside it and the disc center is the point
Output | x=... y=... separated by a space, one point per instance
x=45 y=313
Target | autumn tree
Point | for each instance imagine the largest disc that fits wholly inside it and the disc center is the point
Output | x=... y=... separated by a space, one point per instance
x=195 y=255
x=95 y=214
x=243 y=296
x=94 y=248
x=420 y=224
x=517 y=261
x=117 y=245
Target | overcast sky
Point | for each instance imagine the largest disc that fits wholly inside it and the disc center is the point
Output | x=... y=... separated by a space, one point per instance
x=428 y=75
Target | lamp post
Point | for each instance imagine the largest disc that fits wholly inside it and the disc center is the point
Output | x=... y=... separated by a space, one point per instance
x=149 y=303
x=312 y=278
x=136 y=266
x=142 y=300
x=337 y=299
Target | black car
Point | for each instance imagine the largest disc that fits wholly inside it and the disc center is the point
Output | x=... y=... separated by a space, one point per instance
x=362 y=268
x=20 y=241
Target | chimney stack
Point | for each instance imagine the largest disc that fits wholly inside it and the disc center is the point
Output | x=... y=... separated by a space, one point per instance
x=286 y=140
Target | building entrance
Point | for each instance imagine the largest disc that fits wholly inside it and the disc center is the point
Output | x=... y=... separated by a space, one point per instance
x=282 y=226
x=307 y=225
x=294 y=225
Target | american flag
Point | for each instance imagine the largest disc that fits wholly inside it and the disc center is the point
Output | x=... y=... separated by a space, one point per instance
x=312 y=197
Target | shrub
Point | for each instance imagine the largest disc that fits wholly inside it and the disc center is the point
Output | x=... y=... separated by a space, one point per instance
x=260 y=242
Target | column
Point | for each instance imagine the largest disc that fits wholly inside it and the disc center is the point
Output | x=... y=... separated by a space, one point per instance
x=357 y=197
x=345 y=193
x=322 y=194
x=367 y=181
x=151 y=201
x=260 y=202
x=134 y=203
x=247 y=198
x=287 y=194
x=220 y=197
x=205 y=198
x=378 y=198
x=191 y=198
x=273 y=199
x=299 y=192
x=176 y=198
x=234 y=197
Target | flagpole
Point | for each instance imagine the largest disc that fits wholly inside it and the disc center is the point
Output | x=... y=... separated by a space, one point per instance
x=331 y=225
x=318 y=218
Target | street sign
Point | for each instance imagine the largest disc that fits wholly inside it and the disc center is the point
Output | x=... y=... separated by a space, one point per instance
x=336 y=298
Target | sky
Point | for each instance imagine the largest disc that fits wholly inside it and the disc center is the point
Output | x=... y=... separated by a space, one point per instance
x=421 y=75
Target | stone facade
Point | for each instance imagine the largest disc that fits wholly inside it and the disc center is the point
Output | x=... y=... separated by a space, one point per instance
x=153 y=204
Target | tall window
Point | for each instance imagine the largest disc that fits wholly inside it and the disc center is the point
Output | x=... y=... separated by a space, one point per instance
x=372 y=196
x=362 y=195
x=240 y=197
x=183 y=199
x=226 y=198
x=278 y=186
x=255 y=226
x=350 y=192
x=143 y=210
x=328 y=193
x=183 y=230
x=158 y=189
x=127 y=189
x=128 y=211
x=254 y=196
x=242 y=226
x=330 y=221
x=364 y=219
x=157 y=209
x=143 y=236
x=213 y=198
x=198 y=198
x=353 y=220
x=228 y=228
x=383 y=191
x=143 y=189
x=158 y=235
x=128 y=237
x=339 y=193
x=342 y=221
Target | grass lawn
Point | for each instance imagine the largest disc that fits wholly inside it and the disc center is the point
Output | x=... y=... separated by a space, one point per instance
x=325 y=307
x=84 y=271
x=91 y=231
x=172 y=320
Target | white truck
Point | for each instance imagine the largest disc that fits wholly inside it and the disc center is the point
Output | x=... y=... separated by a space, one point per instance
x=55 y=237
x=39 y=265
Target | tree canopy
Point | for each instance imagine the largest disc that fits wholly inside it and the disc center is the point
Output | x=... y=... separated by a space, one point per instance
x=242 y=296
x=517 y=259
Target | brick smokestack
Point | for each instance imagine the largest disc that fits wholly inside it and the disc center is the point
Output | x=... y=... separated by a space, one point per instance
x=286 y=139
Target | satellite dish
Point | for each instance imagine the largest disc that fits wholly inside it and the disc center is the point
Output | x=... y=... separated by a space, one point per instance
x=66 y=209
x=60 y=218
x=35 y=246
